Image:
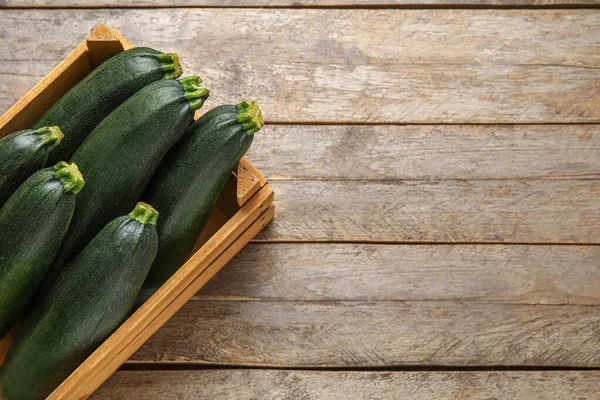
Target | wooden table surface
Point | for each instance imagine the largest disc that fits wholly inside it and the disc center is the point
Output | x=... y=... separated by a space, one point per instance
x=436 y=165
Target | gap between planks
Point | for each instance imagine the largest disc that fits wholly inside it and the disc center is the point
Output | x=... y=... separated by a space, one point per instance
x=473 y=300
x=583 y=177
x=581 y=6
x=182 y=366
x=392 y=123
x=425 y=301
x=415 y=243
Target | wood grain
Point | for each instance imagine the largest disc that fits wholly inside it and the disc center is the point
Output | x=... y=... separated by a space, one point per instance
x=427 y=152
x=341 y=334
x=366 y=272
x=444 y=66
x=304 y=385
x=537 y=211
x=293 y=3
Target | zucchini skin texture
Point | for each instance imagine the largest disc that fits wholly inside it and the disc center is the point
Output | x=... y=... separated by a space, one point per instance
x=33 y=223
x=120 y=156
x=83 y=107
x=23 y=153
x=89 y=300
x=187 y=186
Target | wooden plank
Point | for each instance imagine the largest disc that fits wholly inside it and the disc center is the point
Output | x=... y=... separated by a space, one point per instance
x=294 y=3
x=446 y=66
x=528 y=211
x=241 y=384
x=367 y=272
x=377 y=333
x=427 y=152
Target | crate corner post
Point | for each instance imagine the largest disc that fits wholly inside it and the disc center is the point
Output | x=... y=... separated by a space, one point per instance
x=102 y=44
x=249 y=181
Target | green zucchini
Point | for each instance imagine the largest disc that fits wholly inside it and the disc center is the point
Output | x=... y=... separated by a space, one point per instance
x=89 y=300
x=190 y=180
x=121 y=154
x=33 y=222
x=83 y=107
x=23 y=153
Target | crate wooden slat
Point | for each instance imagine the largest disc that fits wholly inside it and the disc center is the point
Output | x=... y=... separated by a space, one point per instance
x=244 y=208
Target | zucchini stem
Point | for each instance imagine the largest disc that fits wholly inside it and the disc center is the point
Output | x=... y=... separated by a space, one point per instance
x=144 y=213
x=250 y=117
x=69 y=177
x=52 y=135
x=195 y=94
x=172 y=65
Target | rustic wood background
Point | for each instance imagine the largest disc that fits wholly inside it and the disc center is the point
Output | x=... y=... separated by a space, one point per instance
x=436 y=165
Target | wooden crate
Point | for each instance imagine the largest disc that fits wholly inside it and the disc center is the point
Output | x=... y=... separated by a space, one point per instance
x=243 y=210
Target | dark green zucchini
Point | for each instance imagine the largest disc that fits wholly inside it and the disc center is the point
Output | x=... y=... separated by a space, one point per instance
x=33 y=222
x=81 y=109
x=121 y=154
x=23 y=153
x=89 y=300
x=190 y=180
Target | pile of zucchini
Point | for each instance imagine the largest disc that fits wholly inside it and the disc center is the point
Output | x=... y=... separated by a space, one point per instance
x=101 y=201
